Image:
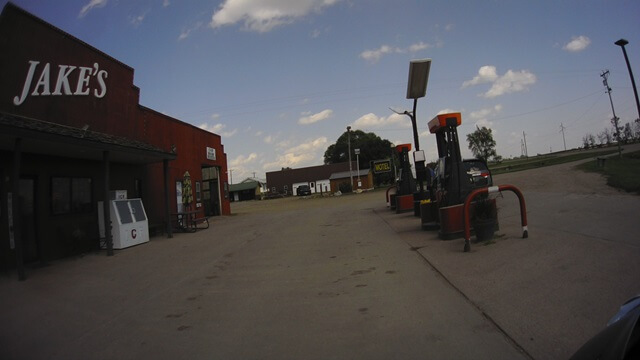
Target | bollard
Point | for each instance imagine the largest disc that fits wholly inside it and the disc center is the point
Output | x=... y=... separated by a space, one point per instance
x=490 y=190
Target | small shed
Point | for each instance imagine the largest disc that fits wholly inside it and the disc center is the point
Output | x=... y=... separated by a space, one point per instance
x=248 y=189
x=365 y=176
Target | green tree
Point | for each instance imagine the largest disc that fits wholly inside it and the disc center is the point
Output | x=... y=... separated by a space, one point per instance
x=371 y=146
x=481 y=143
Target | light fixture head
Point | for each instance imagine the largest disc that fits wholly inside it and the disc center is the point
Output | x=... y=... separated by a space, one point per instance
x=418 y=78
x=621 y=42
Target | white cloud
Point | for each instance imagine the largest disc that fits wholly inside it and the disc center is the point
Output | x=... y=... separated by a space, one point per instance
x=92 y=4
x=376 y=54
x=372 y=121
x=137 y=20
x=289 y=160
x=485 y=123
x=418 y=46
x=304 y=154
x=312 y=145
x=165 y=3
x=577 y=43
x=313 y=118
x=187 y=32
x=510 y=82
x=214 y=129
x=217 y=129
x=486 y=112
x=241 y=160
x=242 y=166
x=264 y=16
x=447 y=111
x=486 y=74
x=283 y=144
x=229 y=134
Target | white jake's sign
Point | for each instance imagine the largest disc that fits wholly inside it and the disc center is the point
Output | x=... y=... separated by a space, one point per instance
x=62 y=86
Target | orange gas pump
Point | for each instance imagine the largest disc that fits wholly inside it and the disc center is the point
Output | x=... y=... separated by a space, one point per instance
x=452 y=183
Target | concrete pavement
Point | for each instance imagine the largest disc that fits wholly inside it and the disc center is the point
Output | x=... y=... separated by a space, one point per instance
x=558 y=288
x=314 y=279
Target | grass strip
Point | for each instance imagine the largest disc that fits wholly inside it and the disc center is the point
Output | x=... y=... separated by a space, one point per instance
x=622 y=173
x=543 y=160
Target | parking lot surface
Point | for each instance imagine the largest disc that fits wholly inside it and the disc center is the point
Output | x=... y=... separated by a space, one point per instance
x=343 y=278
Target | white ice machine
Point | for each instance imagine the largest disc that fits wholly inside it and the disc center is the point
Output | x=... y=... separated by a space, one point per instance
x=130 y=225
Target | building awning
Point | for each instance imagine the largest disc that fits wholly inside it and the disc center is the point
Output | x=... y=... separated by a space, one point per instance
x=47 y=138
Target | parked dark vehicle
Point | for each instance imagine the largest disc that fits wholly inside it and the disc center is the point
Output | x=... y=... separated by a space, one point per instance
x=478 y=172
x=619 y=340
x=303 y=190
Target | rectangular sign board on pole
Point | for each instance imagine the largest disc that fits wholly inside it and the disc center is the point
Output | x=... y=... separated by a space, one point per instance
x=381 y=166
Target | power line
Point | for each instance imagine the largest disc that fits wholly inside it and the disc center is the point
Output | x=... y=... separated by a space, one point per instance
x=548 y=108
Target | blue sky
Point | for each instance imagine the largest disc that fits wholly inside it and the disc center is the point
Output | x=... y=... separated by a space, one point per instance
x=280 y=80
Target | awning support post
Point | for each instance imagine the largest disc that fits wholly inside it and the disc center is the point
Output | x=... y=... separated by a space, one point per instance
x=106 y=204
x=167 y=217
x=17 y=216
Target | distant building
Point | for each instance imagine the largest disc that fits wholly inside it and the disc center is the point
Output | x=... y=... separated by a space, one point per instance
x=247 y=189
x=361 y=180
x=321 y=179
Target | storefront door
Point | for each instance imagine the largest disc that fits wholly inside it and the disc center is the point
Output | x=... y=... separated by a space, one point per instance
x=210 y=191
x=28 y=225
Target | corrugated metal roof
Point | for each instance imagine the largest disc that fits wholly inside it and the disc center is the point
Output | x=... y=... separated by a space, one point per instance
x=345 y=174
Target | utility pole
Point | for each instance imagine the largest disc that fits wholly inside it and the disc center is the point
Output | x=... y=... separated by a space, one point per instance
x=562 y=131
x=231 y=174
x=614 y=121
x=526 y=153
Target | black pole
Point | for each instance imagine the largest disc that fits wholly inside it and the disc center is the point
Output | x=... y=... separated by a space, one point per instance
x=633 y=81
x=420 y=170
x=167 y=218
x=415 y=127
x=106 y=204
x=17 y=216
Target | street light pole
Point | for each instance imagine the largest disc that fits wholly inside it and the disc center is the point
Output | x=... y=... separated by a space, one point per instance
x=417 y=88
x=622 y=43
x=349 y=146
x=357 y=151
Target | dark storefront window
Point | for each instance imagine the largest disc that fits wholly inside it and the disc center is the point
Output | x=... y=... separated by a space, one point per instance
x=70 y=195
